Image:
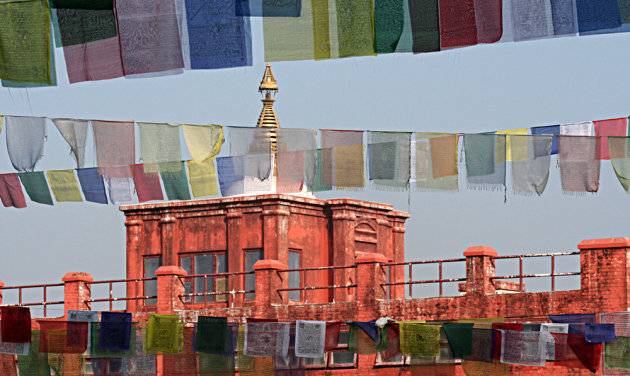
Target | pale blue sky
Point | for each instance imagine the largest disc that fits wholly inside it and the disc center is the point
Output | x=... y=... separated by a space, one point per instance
x=481 y=88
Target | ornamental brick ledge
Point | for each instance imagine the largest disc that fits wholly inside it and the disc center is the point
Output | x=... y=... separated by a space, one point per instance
x=605 y=243
x=77 y=277
x=480 y=251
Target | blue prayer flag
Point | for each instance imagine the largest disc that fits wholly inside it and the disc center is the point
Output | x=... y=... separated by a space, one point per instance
x=598 y=15
x=230 y=183
x=268 y=8
x=115 y=331
x=92 y=185
x=599 y=333
x=551 y=129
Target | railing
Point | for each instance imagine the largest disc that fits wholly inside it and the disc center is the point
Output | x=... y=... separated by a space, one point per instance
x=410 y=264
x=520 y=276
x=220 y=294
x=111 y=298
x=303 y=289
x=44 y=302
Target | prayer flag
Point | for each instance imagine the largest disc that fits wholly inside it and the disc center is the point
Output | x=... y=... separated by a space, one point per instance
x=361 y=339
x=520 y=154
x=268 y=8
x=393 y=337
x=482 y=346
x=620 y=160
x=390 y=158
x=310 y=338
x=159 y=142
x=35 y=363
x=64 y=185
x=485 y=160
x=550 y=130
x=332 y=335
x=531 y=19
x=265 y=339
x=425 y=25
x=75 y=133
x=164 y=333
x=115 y=147
x=142 y=364
x=25 y=41
x=218 y=37
x=175 y=181
x=93 y=61
x=599 y=333
x=92 y=185
x=183 y=363
x=459 y=338
x=115 y=331
x=63 y=337
x=230 y=182
x=81 y=21
x=215 y=365
x=147 y=185
x=149 y=36
x=297 y=156
x=15 y=326
x=530 y=176
x=617 y=354
x=605 y=128
x=573 y=351
x=436 y=161
x=579 y=165
x=524 y=348
x=318 y=183
x=577 y=129
x=211 y=334
x=355 y=28
x=251 y=141
x=203 y=141
x=342 y=158
x=458 y=27
x=25 y=140
x=11 y=191
x=202 y=176
x=36 y=187
x=564 y=17
x=489 y=20
x=96 y=351
x=296 y=38
x=389 y=19
x=419 y=339
x=597 y=15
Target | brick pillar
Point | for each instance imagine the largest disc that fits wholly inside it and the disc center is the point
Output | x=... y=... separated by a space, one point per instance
x=169 y=287
x=397 y=273
x=134 y=236
x=370 y=276
x=276 y=232
x=76 y=291
x=479 y=270
x=268 y=281
x=343 y=251
x=605 y=276
x=168 y=238
x=235 y=256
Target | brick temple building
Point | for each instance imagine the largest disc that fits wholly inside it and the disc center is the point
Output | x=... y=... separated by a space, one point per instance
x=279 y=256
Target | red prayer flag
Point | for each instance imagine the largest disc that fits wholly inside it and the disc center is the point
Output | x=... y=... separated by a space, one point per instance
x=605 y=128
x=573 y=351
x=393 y=337
x=497 y=327
x=489 y=20
x=11 y=191
x=147 y=184
x=16 y=324
x=332 y=335
x=508 y=326
x=458 y=26
x=93 y=61
x=63 y=337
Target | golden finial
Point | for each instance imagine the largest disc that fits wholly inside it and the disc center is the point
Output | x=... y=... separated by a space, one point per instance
x=269 y=87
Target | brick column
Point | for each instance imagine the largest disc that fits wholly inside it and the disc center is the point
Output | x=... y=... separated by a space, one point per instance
x=235 y=255
x=268 y=281
x=276 y=232
x=397 y=273
x=169 y=287
x=370 y=276
x=479 y=270
x=168 y=237
x=134 y=259
x=605 y=276
x=343 y=251
x=76 y=291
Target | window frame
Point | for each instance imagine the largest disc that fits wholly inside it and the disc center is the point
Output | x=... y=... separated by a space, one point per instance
x=250 y=296
x=203 y=299
x=300 y=274
x=341 y=347
x=152 y=301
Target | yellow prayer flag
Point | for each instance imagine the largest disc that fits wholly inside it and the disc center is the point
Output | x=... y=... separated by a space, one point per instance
x=517 y=155
x=165 y=334
x=1 y=121
x=203 y=177
x=203 y=141
x=349 y=166
x=64 y=185
x=419 y=339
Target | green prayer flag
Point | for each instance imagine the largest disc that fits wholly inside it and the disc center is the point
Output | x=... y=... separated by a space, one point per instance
x=36 y=186
x=389 y=19
x=215 y=365
x=459 y=338
x=35 y=363
x=624 y=10
x=97 y=352
x=618 y=147
x=211 y=335
x=425 y=25
x=25 y=41
x=318 y=185
x=479 y=149
x=617 y=353
x=355 y=28
x=175 y=180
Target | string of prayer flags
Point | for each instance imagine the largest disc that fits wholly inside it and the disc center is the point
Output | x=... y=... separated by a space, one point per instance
x=297 y=158
x=62 y=337
x=25 y=41
x=115 y=331
x=332 y=335
x=251 y=141
x=149 y=36
x=212 y=334
x=266 y=339
x=530 y=175
x=458 y=27
x=355 y=28
x=96 y=351
x=25 y=140
x=147 y=185
x=553 y=130
x=211 y=45
x=596 y=15
x=115 y=147
x=584 y=318
x=605 y=128
x=310 y=338
x=459 y=338
x=75 y=133
x=485 y=160
x=203 y=141
x=36 y=187
x=64 y=185
x=15 y=326
x=11 y=191
x=599 y=333
x=175 y=180
x=92 y=185
x=579 y=165
x=524 y=348
x=389 y=20
x=390 y=159
x=202 y=176
x=159 y=142
x=35 y=363
x=436 y=161
x=342 y=158
x=419 y=339
x=164 y=334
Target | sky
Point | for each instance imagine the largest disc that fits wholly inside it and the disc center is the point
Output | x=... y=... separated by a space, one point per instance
x=482 y=88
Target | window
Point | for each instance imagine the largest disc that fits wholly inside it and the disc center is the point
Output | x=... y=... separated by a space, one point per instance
x=250 y=279
x=341 y=357
x=294 y=277
x=151 y=264
x=205 y=263
x=315 y=362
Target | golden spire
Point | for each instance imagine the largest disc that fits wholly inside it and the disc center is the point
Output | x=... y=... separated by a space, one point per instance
x=269 y=87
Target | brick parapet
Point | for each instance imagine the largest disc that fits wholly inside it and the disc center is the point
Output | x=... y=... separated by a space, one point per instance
x=169 y=288
x=76 y=291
